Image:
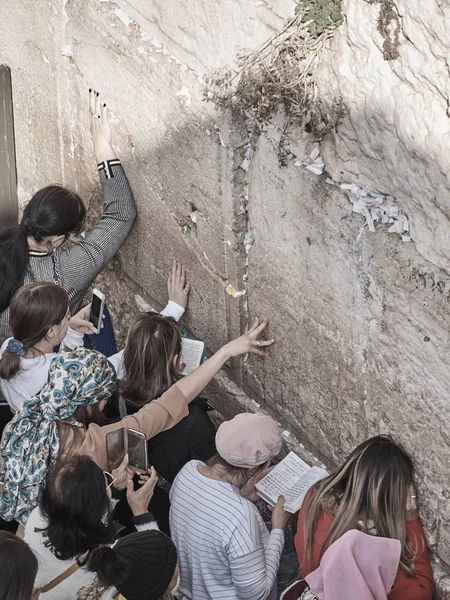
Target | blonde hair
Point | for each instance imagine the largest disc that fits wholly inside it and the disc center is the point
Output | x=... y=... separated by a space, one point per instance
x=369 y=492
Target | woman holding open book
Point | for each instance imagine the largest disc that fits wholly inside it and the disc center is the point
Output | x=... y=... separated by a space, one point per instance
x=372 y=492
x=224 y=547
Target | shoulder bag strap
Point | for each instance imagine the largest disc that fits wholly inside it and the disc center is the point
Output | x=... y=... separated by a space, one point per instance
x=57 y=580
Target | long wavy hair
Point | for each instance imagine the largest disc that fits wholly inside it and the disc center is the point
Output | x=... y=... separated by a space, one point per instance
x=152 y=344
x=52 y=211
x=369 y=492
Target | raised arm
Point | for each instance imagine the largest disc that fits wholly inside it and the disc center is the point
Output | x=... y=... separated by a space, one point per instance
x=81 y=263
x=195 y=382
x=167 y=411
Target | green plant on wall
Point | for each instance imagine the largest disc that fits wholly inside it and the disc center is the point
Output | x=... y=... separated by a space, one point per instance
x=321 y=14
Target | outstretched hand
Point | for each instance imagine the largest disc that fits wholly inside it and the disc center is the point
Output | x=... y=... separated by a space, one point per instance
x=177 y=286
x=249 y=343
x=100 y=127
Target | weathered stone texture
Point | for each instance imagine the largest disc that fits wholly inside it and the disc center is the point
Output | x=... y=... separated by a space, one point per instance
x=397 y=130
x=361 y=328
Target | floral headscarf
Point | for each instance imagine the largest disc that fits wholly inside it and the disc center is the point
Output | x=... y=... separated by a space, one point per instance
x=30 y=444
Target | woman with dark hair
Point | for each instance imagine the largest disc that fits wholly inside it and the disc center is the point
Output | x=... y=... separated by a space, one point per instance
x=18 y=568
x=73 y=518
x=65 y=417
x=33 y=250
x=139 y=566
x=373 y=492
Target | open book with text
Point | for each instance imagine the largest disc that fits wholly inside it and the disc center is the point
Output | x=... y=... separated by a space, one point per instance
x=192 y=353
x=291 y=478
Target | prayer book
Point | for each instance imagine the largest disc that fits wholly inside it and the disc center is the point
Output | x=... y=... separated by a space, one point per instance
x=192 y=353
x=291 y=478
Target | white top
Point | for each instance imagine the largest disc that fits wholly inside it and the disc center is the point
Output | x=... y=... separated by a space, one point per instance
x=50 y=567
x=224 y=548
x=33 y=374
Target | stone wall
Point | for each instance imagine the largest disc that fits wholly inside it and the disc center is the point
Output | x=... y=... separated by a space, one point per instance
x=361 y=327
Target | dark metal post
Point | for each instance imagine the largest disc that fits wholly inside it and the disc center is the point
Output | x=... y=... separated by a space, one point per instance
x=9 y=210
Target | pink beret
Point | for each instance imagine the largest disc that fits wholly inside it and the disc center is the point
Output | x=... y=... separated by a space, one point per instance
x=248 y=440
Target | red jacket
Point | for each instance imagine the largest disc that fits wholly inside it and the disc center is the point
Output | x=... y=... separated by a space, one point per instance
x=420 y=587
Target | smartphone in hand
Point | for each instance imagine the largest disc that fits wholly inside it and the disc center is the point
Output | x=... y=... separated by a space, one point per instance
x=97 y=308
x=137 y=451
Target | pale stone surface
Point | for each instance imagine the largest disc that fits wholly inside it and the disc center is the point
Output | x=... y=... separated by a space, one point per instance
x=361 y=328
x=397 y=131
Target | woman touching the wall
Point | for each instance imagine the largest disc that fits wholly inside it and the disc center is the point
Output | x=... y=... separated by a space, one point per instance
x=35 y=249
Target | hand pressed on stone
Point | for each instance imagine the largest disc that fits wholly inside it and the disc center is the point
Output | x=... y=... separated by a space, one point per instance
x=177 y=286
x=100 y=128
x=249 y=343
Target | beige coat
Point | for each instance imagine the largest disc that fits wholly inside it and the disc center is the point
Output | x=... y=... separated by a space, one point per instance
x=158 y=415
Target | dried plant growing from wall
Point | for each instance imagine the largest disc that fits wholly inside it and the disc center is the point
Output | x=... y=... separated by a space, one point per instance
x=389 y=26
x=280 y=74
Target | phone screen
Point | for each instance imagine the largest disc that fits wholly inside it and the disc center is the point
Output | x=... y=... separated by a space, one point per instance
x=96 y=306
x=115 y=449
x=137 y=451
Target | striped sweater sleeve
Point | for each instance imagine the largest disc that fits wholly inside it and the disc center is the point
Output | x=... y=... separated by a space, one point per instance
x=80 y=264
x=254 y=575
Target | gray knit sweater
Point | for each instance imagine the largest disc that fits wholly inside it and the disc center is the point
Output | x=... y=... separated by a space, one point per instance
x=76 y=267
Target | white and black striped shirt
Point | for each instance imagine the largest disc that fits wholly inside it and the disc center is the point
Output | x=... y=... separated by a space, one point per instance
x=224 y=548
x=78 y=265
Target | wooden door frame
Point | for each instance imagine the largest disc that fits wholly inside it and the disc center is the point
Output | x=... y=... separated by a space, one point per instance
x=9 y=209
